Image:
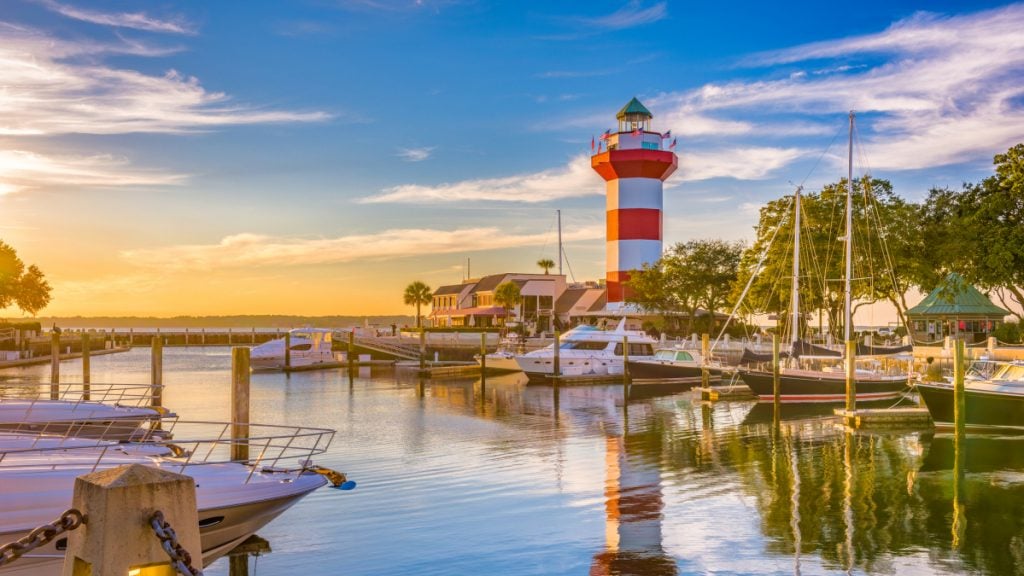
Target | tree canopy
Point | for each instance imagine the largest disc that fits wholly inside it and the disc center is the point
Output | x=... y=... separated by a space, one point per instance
x=507 y=296
x=547 y=264
x=690 y=276
x=23 y=286
x=418 y=294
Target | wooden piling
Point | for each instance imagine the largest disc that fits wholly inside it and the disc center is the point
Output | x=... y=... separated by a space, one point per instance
x=239 y=403
x=483 y=357
x=705 y=352
x=851 y=382
x=776 y=379
x=86 y=378
x=423 y=348
x=156 y=372
x=557 y=367
x=55 y=364
x=625 y=367
x=352 y=358
x=959 y=377
x=287 y=350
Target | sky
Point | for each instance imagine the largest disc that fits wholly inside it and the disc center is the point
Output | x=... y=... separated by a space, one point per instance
x=316 y=156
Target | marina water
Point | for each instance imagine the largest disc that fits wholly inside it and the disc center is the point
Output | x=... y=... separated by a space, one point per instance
x=459 y=478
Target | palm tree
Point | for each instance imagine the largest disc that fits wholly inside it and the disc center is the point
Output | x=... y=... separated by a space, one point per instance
x=546 y=263
x=418 y=294
x=507 y=296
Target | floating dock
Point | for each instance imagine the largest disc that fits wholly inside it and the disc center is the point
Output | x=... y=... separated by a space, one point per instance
x=36 y=360
x=876 y=418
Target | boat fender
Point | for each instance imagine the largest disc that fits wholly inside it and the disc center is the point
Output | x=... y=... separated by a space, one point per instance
x=337 y=479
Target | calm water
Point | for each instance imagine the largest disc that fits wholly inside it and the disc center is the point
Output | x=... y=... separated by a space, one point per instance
x=516 y=480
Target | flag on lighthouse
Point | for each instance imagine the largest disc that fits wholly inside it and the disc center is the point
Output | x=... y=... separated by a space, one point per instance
x=636 y=131
x=666 y=135
x=672 y=146
x=607 y=134
x=592 y=143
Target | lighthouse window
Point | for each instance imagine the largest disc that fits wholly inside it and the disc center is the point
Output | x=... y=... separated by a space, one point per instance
x=651 y=146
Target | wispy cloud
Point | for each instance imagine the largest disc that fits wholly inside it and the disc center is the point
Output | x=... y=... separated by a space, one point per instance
x=24 y=170
x=253 y=250
x=133 y=20
x=576 y=179
x=631 y=15
x=54 y=86
x=750 y=163
x=936 y=90
x=415 y=154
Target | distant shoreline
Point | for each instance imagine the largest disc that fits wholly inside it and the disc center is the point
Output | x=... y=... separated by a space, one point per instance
x=233 y=321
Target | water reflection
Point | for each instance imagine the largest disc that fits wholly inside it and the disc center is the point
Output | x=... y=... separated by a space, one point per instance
x=467 y=476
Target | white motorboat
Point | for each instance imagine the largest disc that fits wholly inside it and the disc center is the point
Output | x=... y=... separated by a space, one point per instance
x=307 y=347
x=588 y=350
x=234 y=499
x=504 y=358
x=74 y=418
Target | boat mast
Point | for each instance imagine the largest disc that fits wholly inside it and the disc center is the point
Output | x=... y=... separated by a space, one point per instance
x=795 y=302
x=847 y=314
x=559 y=212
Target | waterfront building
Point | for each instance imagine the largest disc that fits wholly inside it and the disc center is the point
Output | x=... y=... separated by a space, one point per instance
x=634 y=166
x=957 y=309
x=471 y=303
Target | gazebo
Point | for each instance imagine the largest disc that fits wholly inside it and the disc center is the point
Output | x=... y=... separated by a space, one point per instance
x=957 y=309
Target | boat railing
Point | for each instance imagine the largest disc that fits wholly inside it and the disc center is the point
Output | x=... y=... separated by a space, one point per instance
x=175 y=444
x=128 y=395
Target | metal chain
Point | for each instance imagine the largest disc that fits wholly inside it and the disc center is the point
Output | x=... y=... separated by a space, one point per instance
x=180 y=558
x=41 y=536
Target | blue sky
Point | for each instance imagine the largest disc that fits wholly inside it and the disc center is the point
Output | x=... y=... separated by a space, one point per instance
x=221 y=157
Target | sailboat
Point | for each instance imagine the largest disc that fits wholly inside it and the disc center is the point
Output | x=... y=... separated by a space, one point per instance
x=826 y=384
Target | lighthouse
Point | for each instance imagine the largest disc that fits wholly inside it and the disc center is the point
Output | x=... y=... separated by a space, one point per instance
x=634 y=167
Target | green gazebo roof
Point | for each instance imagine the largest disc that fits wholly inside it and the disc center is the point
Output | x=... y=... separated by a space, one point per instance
x=634 y=107
x=954 y=297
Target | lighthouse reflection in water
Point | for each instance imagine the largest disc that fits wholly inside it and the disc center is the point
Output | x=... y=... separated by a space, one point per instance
x=464 y=477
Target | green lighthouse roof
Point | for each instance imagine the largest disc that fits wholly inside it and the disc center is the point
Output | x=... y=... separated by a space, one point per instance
x=634 y=107
x=956 y=297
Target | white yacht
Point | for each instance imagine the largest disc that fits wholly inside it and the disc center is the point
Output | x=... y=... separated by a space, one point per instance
x=504 y=358
x=234 y=499
x=588 y=350
x=308 y=346
x=75 y=417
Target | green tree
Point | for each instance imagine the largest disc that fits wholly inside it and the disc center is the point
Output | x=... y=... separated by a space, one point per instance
x=547 y=264
x=418 y=294
x=689 y=276
x=507 y=296
x=25 y=287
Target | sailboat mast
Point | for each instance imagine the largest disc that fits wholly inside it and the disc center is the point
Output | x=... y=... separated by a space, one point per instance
x=559 y=212
x=847 y=311
x=795 y=303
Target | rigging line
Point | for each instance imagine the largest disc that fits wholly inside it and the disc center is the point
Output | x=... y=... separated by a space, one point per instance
x=825 y=151
x=750 y=281
x=568 y=265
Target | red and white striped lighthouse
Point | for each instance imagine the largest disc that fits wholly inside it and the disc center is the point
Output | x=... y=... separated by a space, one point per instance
x=634 y=166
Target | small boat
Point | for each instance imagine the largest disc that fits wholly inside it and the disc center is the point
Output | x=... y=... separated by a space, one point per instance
x=234 y=499
x=308 y=347
x=992 y=404
x=504 y=358
x=671 y=363
x=588 y=350
x=75 y=417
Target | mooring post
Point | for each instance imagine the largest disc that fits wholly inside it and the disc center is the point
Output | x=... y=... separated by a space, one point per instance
x=203 y=336
x=851 y=382
x=776 y=381
x=86 y=379
x=239 y=403
x=959 y=377
x=483 y=357
x=991 y=345
x=118 y=536
x=287 y=350
x=253 y=340
x=625 y=367
x=352 y=349
x=556 y=370
x=55 y=364
x=705 y=354
x=423 y=349
x=156 y=372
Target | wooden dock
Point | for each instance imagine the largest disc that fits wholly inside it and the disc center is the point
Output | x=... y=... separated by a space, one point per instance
x=36 y=360
x=877 y=418
x=334 y=365
x=727 y=392
x=448 y=369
